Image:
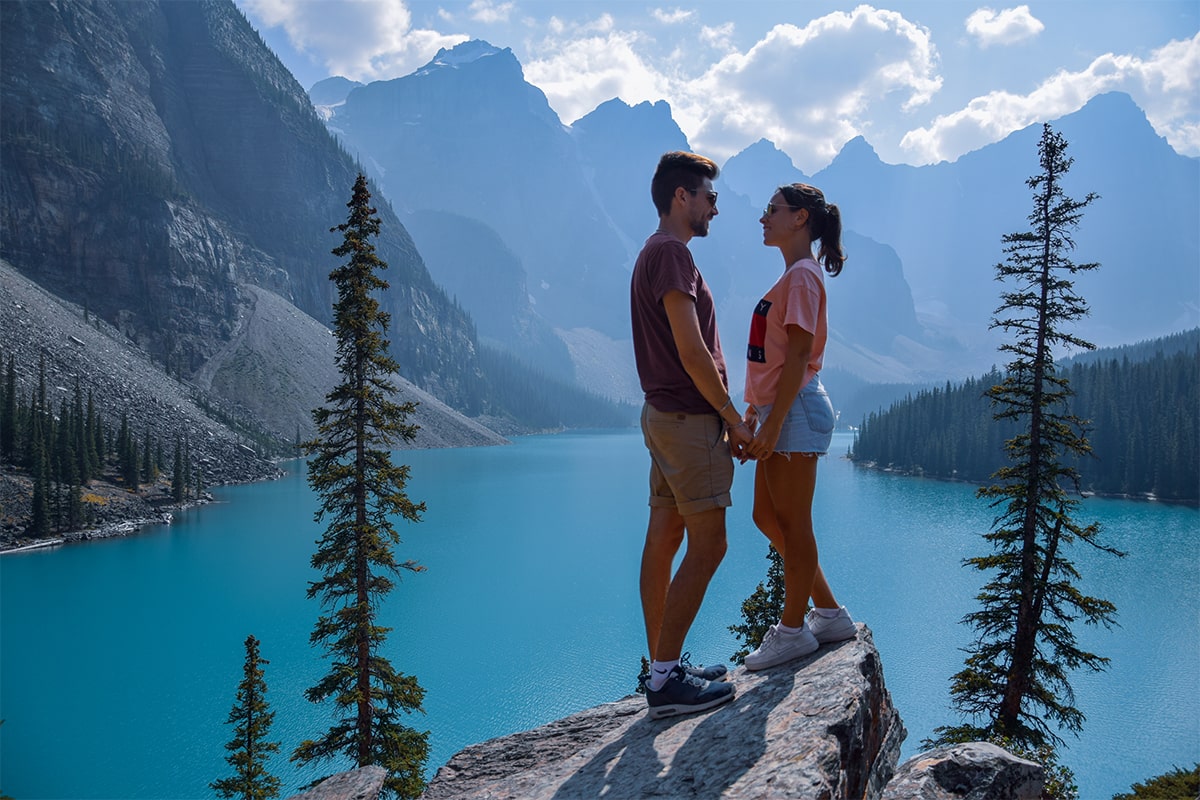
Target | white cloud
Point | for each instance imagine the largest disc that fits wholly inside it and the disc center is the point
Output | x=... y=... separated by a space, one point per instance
x=490 y=12
x=579 y=74
x=719 y=37
x=602 y=24
x=1165 y=86
x=363 y=40
x=1009 y=26
x=671 y=17
x=811 y=89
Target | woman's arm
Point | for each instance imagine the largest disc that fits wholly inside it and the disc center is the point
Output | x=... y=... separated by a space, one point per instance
x=791 y=381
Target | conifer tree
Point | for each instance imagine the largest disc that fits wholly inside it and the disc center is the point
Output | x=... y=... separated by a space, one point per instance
x=129 y=463
x=126 y=454
x=31 y=433
x=98 y=437
x=69 y=505
x=8 y=415
x=84 y=465
x=361 y=492
x=149 y=468
x=41 y=387
x=249 y=749
x=1015 y=681
x=761 y=609
x=178 y=474
x=187 y=465
x=39 y=521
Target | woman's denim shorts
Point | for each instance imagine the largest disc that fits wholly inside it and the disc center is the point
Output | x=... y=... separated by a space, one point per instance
x=808 y=426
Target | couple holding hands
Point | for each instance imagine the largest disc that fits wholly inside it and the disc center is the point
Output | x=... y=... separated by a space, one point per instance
x=694 y=429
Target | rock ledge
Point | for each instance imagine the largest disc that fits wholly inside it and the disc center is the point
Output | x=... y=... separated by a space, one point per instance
x=819 y=727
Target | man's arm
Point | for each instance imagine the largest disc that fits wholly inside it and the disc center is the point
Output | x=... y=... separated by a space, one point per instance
x=699 y=364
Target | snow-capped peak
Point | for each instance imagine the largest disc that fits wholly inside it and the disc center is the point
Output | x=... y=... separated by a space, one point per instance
x=459 y=55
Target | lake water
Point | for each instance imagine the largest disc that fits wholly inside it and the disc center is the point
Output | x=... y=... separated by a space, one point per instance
x=119 y=659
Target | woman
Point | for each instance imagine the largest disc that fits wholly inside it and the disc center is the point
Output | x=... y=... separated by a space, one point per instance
x=793 y=418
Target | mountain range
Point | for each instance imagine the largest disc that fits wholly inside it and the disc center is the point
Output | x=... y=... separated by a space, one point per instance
x=571 y=204
x=158 y=160
x=164 y=172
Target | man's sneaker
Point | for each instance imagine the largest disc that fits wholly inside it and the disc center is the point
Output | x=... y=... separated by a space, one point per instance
x=835 y=629
x=686 y=694
x=714 y=672
x=778 y=647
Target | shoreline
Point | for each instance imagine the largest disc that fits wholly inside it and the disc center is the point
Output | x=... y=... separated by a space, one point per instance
x=134 y=525
x=111 y=530
x=1144 y=497
x=120 y=528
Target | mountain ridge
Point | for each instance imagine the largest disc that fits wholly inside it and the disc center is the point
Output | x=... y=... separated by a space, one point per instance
x=934 y=230
x=162 y=234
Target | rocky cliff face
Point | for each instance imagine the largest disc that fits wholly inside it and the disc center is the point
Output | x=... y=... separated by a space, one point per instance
x=159 y=162
x=821 y=727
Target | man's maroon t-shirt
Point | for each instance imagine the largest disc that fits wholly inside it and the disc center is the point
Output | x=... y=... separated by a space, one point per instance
x=665 y=264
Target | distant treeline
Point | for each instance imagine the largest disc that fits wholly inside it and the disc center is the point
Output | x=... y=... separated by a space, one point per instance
x=63 y=449
x=536 y=401
x=1142 y=404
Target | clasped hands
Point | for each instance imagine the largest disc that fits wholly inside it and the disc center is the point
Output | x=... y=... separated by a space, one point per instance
x=749 y=442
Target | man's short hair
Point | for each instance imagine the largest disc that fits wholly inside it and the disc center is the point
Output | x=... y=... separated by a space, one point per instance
x=676 y=169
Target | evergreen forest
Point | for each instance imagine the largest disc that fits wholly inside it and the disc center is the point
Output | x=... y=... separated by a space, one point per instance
x=64 y=449
x=535 y=401
x=1141 y=404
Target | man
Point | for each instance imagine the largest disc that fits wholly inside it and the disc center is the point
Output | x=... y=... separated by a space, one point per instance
x=689 y=424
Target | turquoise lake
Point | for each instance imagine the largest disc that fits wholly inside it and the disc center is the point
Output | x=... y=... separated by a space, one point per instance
x=119 y=659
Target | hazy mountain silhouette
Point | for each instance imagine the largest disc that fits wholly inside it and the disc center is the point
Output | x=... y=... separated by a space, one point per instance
x=486 y=277
x=163 y=170
x=466 y=134
x=331 y=91
x=946 y=221
x=916 y=297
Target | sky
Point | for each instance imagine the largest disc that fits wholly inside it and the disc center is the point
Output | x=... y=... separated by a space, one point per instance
x=922 y=80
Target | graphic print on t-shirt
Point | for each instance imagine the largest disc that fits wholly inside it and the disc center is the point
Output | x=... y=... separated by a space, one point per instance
x=758 y=333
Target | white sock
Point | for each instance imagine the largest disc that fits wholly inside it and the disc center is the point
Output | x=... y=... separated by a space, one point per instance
x=828 y=613
x=660 y=671
x=789 y=631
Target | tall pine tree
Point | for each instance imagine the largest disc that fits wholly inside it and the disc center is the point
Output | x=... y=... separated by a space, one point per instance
x=8 y=415
x=1015 y=681
x=361 y=492
x=249 y=749
x=178 y=474
x=39 y=518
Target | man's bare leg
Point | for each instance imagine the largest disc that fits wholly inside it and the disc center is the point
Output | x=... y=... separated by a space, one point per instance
x=664 y=535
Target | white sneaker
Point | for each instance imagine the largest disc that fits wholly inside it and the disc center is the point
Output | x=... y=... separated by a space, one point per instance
x=835 y=629
x=778 y=647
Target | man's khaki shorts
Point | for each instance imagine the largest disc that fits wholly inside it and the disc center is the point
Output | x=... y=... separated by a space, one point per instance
x=691 y=468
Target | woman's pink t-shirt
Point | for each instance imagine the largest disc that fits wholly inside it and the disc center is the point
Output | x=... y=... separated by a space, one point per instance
x=797 y=298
